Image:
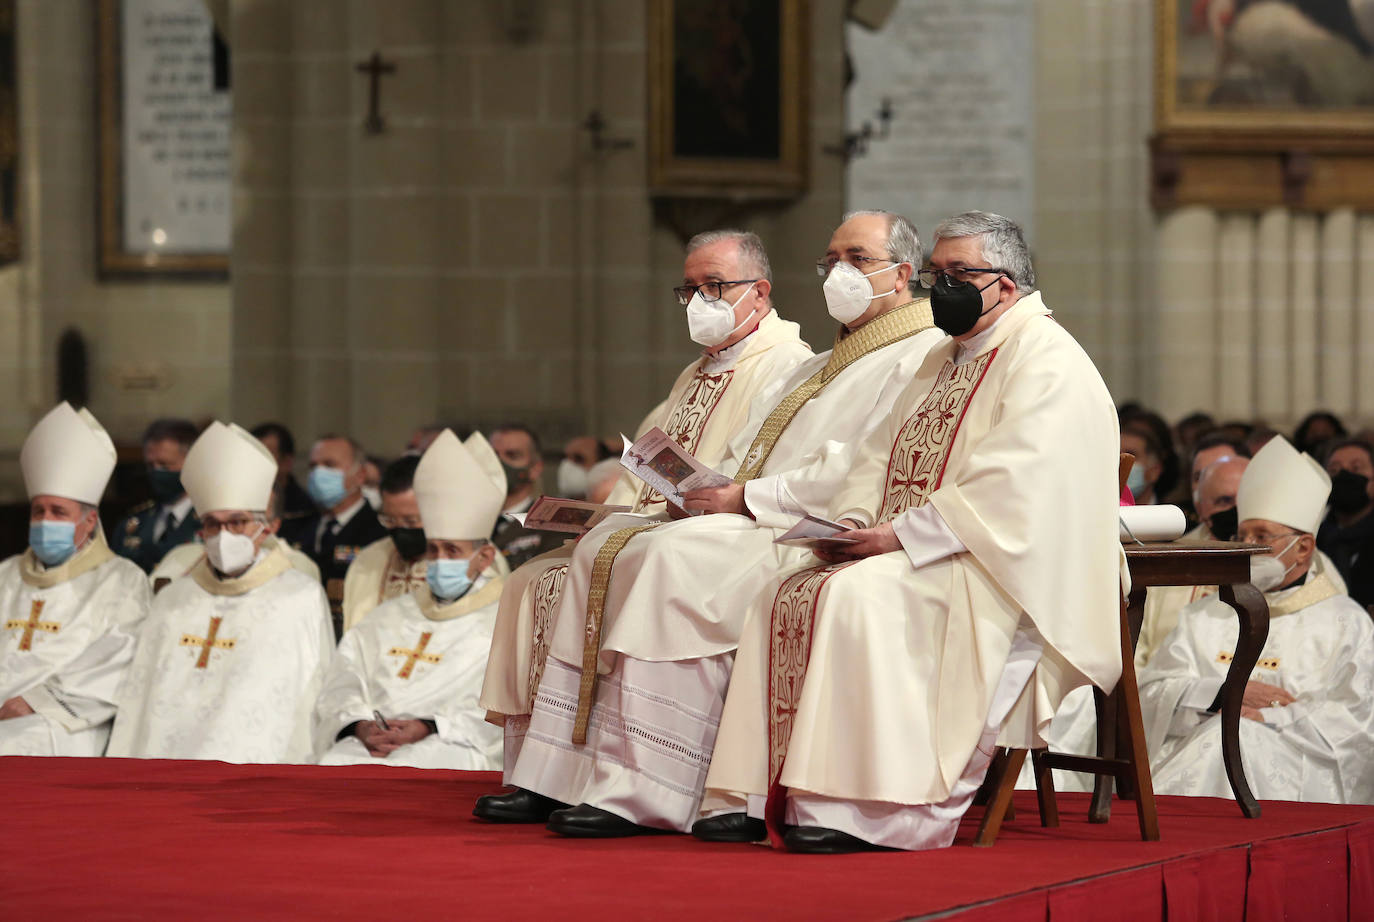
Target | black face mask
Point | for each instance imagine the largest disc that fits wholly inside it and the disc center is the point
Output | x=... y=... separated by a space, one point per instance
x=410 y=542
x=516 y=477
x=1224 y=525
x=957 y=306
x=1349 y=492
x=165 y=486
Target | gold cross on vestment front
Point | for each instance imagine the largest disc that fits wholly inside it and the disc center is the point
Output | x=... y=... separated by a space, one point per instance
x=416 y=655
x=208 y=642
x=33 y=624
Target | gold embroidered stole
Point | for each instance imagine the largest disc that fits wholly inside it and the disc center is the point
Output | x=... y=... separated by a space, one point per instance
x=898 y=324
x=915 y=469
x=688 y=420
x=401 y=577
x=903 y=322
x=434 y=610
x=547 y=591
x=260 y=574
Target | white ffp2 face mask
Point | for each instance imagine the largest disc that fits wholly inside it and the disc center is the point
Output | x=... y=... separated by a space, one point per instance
x=1267 y=571
x=572 y=479
x=709 y=322
x=848 y=292
x=229 y=553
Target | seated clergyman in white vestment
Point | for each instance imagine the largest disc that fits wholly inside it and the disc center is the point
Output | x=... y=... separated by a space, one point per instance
x=232 y=656
x=868 y=693
x=402 y=689
x=1309 y=705
x=394 y=566
x=70 y=608
x=642 y=643
x=748 y=347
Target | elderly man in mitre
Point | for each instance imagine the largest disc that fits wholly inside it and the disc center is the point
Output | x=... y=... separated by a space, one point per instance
x=747 y=348
x=232 y=655
x=71 y=608
x=1309 y=704
x=403 y=687
x=642 y=646
x=869 y=693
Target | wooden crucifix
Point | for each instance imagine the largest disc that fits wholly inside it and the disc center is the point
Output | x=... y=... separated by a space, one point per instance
x=375 y=67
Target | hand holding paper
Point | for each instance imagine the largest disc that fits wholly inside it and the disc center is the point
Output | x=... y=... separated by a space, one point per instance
x=667 y=467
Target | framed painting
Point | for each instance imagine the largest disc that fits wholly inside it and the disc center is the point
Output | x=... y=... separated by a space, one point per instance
x=164 y=140
x=728 y=98
x=9 y=138
x=1262 y=103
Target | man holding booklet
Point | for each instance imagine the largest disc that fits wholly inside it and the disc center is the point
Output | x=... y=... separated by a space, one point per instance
x=643 y=639
x=727 y=291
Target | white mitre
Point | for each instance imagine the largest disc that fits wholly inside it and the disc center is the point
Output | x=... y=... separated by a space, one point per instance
x=227 y=468
x=1283 y=485
x=69 y=455
x=460 y=488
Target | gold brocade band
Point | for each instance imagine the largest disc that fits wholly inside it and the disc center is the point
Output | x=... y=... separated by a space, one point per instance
x=898 y=324
x=596 y=606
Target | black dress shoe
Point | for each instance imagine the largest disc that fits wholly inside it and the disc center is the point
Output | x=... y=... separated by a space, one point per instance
x=730 y=827
x=817 y=840
x=587 y=822
x=519 y=806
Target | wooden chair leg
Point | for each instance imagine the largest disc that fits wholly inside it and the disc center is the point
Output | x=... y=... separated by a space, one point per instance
x=1001 y=797
x=1044 y=788
x=1100 y=810
x=1135 y=750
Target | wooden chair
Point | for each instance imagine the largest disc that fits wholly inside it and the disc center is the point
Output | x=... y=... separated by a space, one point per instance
x=1121 y=753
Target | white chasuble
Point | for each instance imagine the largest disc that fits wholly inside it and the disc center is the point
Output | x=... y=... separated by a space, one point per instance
x=706 y=408
x=416 y=659
x=1320 y=649
x=883 y=673
x=681 y=590
x=378 y=574
x=228 y=669
x=68 y=638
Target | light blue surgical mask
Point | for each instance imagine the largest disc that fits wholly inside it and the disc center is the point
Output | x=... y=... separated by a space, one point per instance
x=326 y=487
x=1135 y=480
x=448 y=579
x=52 y=542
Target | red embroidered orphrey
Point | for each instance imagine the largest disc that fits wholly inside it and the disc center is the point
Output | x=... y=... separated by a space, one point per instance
x=547 y=592
x=689 y=417
x=915 y=469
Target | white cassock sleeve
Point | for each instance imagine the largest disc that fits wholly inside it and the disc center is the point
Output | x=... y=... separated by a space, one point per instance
x=83 y=692
x=343 y=698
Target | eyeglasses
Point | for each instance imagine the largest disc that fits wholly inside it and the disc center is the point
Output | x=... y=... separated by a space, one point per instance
x=710 y=291
x=1262 y=538
x=959 y=274
x=823 y=266
x=236 y=526
x=400 y=521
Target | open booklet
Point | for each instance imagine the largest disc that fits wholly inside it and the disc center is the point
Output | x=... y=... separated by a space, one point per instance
x=666 y=466
x=549 y=513
x=814 y=531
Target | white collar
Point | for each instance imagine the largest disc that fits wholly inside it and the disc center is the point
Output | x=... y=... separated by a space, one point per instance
x=725 y=359
x=974 y=344
x=343 y=518
x=180 y=509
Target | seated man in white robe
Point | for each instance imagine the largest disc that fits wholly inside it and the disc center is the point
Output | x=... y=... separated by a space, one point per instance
x=232 y=656
x=402 y=689
x=1308 y=726
x=655 y=608
x=868 y=694
x=747 y=348
x=71 y=607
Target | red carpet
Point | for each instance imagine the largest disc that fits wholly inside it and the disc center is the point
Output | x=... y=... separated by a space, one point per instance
x=122 y=839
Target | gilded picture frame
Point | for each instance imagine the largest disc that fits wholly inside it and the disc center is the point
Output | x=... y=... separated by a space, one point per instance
x=117 y=258
x=727 y=98
x=1218 y=87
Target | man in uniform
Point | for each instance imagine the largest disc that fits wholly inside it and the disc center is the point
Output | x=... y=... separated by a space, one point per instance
x=154 y=528
x=294 y=501
x=522 y=459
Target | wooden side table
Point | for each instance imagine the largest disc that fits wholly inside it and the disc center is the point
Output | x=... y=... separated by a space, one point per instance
x=1206 y=563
